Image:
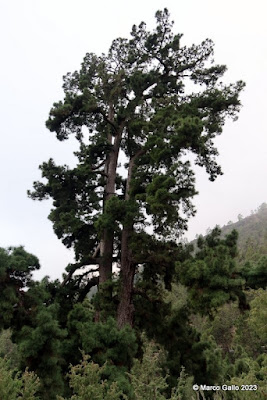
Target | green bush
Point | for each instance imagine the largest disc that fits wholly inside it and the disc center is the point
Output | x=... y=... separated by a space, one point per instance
x=87 y=383
x=17 y=386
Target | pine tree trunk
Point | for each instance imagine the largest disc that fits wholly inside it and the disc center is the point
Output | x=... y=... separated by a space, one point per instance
x=106 y=244
x=125 y=313
x=106 y=253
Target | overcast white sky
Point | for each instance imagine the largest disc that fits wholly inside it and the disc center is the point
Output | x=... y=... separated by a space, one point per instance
x=41 y=40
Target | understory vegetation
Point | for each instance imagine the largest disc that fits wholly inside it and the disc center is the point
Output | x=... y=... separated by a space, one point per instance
x=197 y=332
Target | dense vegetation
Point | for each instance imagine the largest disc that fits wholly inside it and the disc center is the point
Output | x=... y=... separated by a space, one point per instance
x=211 y=329
x=164 y=315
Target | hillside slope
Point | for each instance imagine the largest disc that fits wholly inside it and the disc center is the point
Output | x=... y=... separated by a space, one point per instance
x=252 y=234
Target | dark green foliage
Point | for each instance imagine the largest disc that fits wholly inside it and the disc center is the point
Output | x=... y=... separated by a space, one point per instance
x=256 y=273
x=151 y=100
x=106 y=341
x=212 y=275
x=16 y=267
x=48 y=349
x=103 y=341
x=72 y=191
x=25 y=309
x=41 y=347
x=172 y=329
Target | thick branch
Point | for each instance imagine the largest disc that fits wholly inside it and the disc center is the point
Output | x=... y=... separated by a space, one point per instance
x=130 y=171
x=80 y=277
x=98 y=166
x=85 y=261
x=163 y=63
x=93 y=282
x=108 y=120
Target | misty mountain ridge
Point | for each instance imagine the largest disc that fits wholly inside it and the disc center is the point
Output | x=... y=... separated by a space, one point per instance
x=252 y=234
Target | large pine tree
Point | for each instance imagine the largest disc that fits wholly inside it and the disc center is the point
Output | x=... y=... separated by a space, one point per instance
x=147 y=104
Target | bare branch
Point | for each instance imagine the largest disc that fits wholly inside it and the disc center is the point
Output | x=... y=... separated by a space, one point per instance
x=107 y=119
x=85 y=261
x=97 y=250
x=98 y=166
x=93 y=282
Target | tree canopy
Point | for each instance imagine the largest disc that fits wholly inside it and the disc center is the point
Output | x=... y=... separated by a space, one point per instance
x=138 y=112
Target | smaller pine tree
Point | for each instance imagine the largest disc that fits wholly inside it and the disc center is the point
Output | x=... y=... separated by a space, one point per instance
x=17 y=386
x=86 y=383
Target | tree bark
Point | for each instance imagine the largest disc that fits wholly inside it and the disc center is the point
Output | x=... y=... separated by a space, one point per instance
x=106 y=243
x=125 y=313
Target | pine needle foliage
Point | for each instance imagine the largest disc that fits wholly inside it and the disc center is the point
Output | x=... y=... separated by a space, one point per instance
x=149 y=102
